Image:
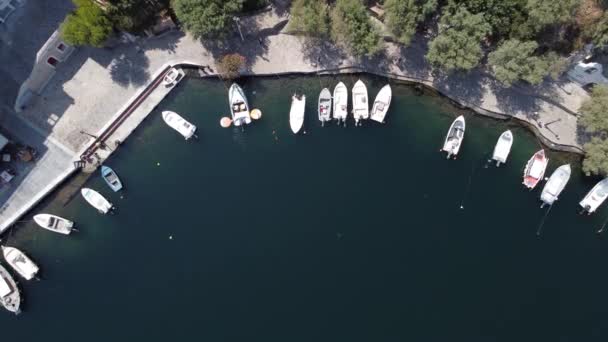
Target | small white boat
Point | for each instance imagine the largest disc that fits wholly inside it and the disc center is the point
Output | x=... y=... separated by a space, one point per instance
x=340 y=102
x=239 y=108
x=96 y=200
x=595 y=197
x=296 y=113
x=54 y=223
x=454 y=138
x=10 y=297
x=381 y=104
x=172 y=77
x=555 y=185
x=20 y=262
x=503 y=147
x=324 y=106
x=535 y=169
x=360 y=102
x=179 y=124
x=111 y=178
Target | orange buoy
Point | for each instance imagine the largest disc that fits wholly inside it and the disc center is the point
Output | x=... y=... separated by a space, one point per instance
x=256 y=114
x=225 y=122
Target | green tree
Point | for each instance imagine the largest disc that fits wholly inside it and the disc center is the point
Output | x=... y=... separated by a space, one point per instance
x=403 y=16
x=309 y=16
x=600 y=31
x=596 y=157
x=87 y=25
x=515 y=60
x=542 y=13
x=352 y=27
x=206 y=18
x=458 y=44
x=594 y=111
x=134 y=15
x=505 y=16
x=230 y=65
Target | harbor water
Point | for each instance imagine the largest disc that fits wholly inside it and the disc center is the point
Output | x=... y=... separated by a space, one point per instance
x=336 y=234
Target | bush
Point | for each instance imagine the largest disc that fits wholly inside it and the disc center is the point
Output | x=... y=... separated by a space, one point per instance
x=230 y=65
x=403 y=16
x=206 y=18
x=87 y=25
x=352 y=27
x=309 y=16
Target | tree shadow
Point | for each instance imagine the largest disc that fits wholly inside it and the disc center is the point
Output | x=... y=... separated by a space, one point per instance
x=510 y=101
x=412 y=60
x=322 y=52
x=130 y=68
x=164 y=42
x=467 y=86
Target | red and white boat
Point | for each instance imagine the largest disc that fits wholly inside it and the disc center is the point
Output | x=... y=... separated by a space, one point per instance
x=535 y=169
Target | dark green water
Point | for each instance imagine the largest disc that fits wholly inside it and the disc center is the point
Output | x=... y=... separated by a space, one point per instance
x=338 y=235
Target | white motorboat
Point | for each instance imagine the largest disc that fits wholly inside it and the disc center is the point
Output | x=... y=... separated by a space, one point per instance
x=381 y=104
x=181 y=125
x=239 y=108
x=454 y=138
x=503 y=147
x=296 y=113
x=96 y=200
x=555 y=185
x=324 y=106
x=595 y=197
x=10 y=297
x=172 y=77
x=535 y=169
x=20 y=262
x=360 y=102
x=340 y=102
x=54 y=223
x=111 y=178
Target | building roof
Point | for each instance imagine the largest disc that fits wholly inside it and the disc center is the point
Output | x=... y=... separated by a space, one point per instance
x=22 y=35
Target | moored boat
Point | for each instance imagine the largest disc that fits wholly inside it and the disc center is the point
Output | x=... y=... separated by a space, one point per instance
x=54 y=223
x=10 y=297
x=324 y=106
x=239 y=107
x=172 y=77
x=556 y=184
x=178 y=123
x=111 y=178
x=535 y=169
x=296 y=112
x=340 y=102
x=381 y=104
x=454 y=138
x=503 y=147
x=360 y=102
x=20 y=262
x=595 y=197
x=96 y=200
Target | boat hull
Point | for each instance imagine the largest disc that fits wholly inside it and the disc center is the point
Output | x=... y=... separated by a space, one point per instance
x=10 y=298
x=340 y=102
x=556 y=184
x=381 y=104
x=503 y=147
x=179 y=124
x=20 y=262
x=54 y=223
x=296 y=113
x=360 y=102
x=239 y=107
x=455 y=136
x=595 y=197
x=96 y=200
x=535 y=169
x=111 y=178
x=324 y=105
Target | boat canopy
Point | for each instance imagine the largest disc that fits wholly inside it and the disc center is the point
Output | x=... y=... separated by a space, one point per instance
x=5 y=289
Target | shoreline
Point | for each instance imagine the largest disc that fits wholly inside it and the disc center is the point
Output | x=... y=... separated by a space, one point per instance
x=125 y=119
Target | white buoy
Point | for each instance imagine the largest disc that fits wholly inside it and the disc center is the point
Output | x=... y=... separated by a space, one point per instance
x=225 y=122
x=256 y=114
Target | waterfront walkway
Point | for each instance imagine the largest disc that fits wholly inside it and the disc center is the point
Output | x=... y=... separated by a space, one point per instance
x=96 y=86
